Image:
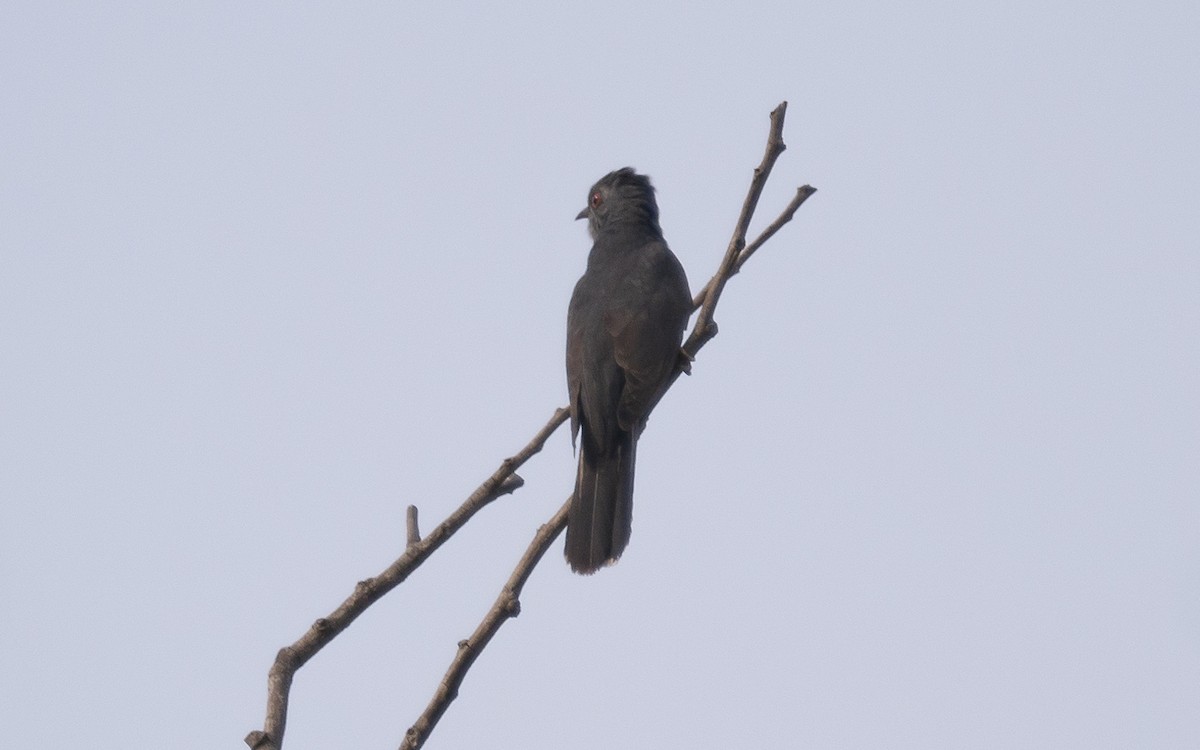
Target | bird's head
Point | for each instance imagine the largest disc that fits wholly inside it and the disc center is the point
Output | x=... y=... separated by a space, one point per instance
x=619 y=198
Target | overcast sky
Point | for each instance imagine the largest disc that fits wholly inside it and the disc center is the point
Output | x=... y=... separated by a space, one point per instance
x=271 y=272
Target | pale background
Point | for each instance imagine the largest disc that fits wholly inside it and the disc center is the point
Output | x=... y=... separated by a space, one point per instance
x=271 y=272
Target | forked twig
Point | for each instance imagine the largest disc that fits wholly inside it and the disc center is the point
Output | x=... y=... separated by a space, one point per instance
x=290 y=658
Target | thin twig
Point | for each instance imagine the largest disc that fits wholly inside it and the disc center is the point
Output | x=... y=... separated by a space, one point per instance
x=508 y=604
x=706 y=299
x=705 y=329
x=290 y=658
x=802 y=194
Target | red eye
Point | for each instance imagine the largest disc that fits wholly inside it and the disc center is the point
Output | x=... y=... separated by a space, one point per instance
x=596 y=199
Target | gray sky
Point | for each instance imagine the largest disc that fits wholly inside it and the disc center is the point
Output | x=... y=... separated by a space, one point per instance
x=270 y=273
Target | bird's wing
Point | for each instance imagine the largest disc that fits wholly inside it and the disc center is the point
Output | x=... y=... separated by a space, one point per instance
x=646 y=335
x=594 y=380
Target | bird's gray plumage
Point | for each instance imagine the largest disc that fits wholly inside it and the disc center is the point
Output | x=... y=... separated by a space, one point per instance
x=624 y=326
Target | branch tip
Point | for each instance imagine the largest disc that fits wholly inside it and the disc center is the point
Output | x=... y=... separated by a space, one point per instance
x=413 y=533
x=511 y=484
x=257 y=739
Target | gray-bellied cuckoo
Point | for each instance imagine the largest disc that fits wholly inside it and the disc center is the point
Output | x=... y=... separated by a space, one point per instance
x=624 y=327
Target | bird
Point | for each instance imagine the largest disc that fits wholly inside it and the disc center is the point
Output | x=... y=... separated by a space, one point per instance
x=625 y=323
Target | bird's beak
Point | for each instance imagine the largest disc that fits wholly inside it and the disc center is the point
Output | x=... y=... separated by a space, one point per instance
x=582 y=215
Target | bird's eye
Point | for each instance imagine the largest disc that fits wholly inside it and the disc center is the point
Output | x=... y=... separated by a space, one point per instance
x=596 y=199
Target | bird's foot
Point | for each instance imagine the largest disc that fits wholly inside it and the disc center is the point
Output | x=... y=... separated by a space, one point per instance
x=685 y=362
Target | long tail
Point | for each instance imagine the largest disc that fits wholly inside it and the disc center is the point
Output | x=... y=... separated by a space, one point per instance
x=601 y=515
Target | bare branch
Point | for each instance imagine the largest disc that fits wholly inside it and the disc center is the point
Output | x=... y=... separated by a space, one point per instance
x=504 y=481
x=507 y=605
x=705 y=329
x=290 y=658
x=706 y=299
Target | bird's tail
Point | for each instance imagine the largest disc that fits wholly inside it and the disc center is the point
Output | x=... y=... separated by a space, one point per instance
x=601 y=515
